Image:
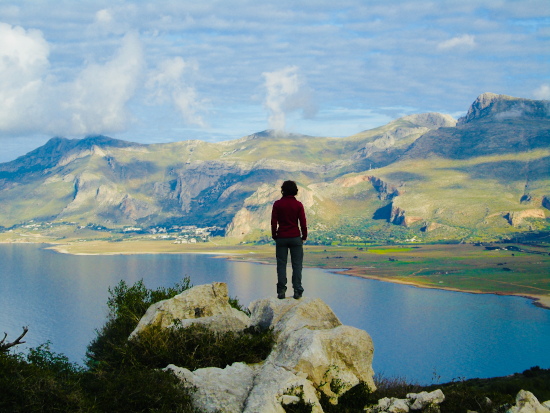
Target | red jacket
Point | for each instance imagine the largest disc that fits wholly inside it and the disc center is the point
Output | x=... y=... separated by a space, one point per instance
x=286 y=214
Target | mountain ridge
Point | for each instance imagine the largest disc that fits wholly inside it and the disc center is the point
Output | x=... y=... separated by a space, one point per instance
x=424 y=175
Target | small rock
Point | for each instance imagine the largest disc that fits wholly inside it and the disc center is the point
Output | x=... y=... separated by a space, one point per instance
x=398 y=406
x=424 y=399
x=288 y=399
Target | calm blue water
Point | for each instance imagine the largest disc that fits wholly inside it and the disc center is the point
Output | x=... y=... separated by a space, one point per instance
x=416 y=332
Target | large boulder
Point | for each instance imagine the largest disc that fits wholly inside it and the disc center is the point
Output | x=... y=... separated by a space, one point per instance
x=288 y=315
x=217 y=390
x=312 y=340
x=204 y=304
x=526 y=402
x=335 y=360
x=275 y=386
x=313 y=352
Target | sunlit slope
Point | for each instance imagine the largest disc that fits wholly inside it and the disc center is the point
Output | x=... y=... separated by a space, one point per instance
x=479 y=196
x=418 y=177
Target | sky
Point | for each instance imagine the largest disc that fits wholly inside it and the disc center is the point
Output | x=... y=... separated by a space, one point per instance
x=172 y=70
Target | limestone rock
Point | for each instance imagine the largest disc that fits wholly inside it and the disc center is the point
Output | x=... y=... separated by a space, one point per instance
x=526 y=402
x=288 y=399
x=205 y=304
x=424 y=399
x=313 y=352
x=217 y=390
x=272 y=384
x=334 y=360
x=391 y=405
x=515 y=218
x=311 y=340
x=289 y=315
x=414 y=401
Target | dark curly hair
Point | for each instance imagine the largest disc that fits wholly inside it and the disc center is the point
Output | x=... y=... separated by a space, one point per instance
x=289 y=188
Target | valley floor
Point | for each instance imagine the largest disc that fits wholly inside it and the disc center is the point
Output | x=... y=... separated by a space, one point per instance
x=510 y=269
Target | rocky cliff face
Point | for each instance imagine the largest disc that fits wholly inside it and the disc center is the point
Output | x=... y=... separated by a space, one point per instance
x=502 y=107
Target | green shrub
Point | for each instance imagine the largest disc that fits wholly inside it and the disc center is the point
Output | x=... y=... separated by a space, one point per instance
x=196 y=347
x=127 y=304
x=39 y=382
x=136 y=390
x=192 y=347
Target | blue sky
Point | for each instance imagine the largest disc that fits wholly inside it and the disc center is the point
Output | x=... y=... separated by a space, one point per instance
x=163 y=71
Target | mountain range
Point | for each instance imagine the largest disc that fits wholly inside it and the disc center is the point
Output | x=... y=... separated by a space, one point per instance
x=425 y=176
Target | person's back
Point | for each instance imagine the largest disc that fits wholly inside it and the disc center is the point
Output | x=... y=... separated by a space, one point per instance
x=288 y=212
x=289 y=230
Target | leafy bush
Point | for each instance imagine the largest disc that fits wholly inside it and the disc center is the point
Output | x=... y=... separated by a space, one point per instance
x=41 y=381
x=197 y=347
x=127 y=304
x=192 y=347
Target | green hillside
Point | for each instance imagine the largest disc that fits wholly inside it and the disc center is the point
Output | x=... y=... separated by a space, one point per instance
x=423 y=177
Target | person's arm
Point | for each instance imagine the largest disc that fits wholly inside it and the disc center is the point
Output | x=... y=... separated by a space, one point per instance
x=274 y=221
x=303 y=223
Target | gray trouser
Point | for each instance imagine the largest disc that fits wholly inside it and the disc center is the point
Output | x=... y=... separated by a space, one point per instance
x=282 y=246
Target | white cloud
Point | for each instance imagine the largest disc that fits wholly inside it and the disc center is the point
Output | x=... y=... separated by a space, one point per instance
x=464 y=41
x=96 y=101
x=543 y=92
x=286 y=92
x=167 y=83
x=34 y=101
x=23 y=65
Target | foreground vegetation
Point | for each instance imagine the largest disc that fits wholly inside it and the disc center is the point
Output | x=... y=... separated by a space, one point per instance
x=122 y=375
x=126 y=376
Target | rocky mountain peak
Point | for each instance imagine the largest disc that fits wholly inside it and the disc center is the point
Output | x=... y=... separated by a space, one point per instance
x=501 y=107
x=432 y=120
x=58 y=148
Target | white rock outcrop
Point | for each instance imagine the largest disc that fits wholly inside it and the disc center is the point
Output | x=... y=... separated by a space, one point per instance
x=413 y=402
x=425 y=399
x=313 y=352
x=526 y=402
x=204 y=304
x=218 y=390
x=311 y=340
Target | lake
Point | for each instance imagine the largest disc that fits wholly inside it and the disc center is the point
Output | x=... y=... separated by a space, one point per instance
x=424 y=335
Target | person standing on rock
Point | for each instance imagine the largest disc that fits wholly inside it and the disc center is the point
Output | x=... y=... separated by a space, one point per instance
x=286 y=215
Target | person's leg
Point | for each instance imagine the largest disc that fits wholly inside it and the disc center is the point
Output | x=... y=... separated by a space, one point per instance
x=281 y=253
x=297 y=259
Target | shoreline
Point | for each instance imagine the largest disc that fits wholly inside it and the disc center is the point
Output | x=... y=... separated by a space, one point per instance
x=542 y=301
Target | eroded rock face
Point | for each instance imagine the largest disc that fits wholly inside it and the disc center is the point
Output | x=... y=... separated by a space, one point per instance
x=335 y=360
x=313 y=352
x=215 y=389
x=272 y=384
x=515 y=218
x=204 y=304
